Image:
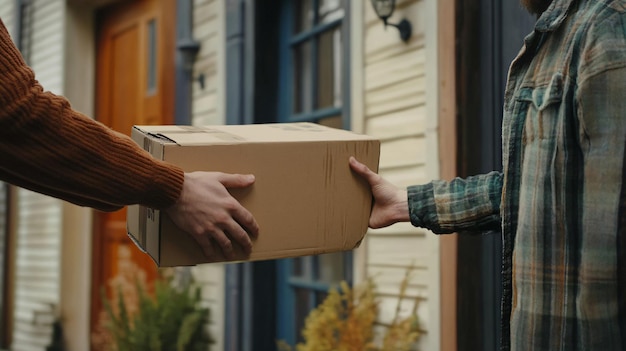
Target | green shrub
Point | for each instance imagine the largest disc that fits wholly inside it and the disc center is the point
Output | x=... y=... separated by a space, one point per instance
x=170 y=319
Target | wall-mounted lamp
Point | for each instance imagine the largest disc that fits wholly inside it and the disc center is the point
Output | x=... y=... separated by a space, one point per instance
x=384 y=10
x=189 y=49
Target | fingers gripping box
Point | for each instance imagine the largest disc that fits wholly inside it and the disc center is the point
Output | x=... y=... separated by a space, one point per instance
x=305 y=199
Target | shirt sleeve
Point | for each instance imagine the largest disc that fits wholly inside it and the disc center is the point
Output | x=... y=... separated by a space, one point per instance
x=48 y=147
x=471 y=204
x=602 y=117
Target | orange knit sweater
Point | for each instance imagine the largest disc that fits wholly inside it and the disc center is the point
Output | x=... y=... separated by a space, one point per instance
x=47 y=147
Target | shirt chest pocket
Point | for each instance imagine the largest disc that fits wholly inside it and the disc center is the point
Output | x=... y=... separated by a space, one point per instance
x=542 y=109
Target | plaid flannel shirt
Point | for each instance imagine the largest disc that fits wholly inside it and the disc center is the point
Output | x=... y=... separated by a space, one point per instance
x=561 y=198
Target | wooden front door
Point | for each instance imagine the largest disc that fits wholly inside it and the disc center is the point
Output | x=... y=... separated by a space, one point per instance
x=135 y=76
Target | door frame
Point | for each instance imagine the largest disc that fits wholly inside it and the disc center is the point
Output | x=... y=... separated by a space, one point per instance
x=166 y=80
x=253 y=97
x=490 y=34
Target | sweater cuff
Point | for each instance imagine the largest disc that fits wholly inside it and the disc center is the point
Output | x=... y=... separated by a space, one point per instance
x=167 y=188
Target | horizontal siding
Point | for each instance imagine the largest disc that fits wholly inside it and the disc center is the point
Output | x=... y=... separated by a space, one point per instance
x=383 y=43
x=3 y=242
x=393 y=154
x=405 y=66
x=46 y=57
x=211 y=278
x=6 y=15
x=38 y=217
x=37 y=275
x=404 y=123
x=207 y=31
x=395 y=111
x=7 y=11
x=208 y=19
x=401 y=95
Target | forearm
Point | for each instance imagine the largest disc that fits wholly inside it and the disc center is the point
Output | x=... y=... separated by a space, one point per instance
x=48 y=147
x=471 y=204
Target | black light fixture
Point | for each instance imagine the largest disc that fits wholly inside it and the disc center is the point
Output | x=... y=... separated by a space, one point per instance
x=384 y=10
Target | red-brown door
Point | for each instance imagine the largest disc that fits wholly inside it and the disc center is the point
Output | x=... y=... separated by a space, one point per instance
x=135 y=74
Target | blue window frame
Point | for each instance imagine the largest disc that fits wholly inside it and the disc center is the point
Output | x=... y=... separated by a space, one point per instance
x=314 y=87
x=303 y=283
x=314 y=62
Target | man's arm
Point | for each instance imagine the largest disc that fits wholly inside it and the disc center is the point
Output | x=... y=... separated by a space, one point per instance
x=443 y=207
x=471 y=204
x=602 y=118
x=48 y=147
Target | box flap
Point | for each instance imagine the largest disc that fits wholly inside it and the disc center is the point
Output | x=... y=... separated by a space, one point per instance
x=252 y=133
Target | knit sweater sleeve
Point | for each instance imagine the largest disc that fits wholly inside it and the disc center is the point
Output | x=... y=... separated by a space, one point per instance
x=48 y=147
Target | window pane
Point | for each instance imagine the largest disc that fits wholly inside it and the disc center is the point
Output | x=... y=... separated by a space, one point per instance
x=320 y=297
x=331 y=268
x=303 y=15
x=329 y=57
x=302 y=98
x=303 y=303
x=297 y=267
x=152 y=54
x=329 y=10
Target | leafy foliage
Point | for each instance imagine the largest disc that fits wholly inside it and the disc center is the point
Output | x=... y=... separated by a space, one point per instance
x=346 y=321
x=170 y=319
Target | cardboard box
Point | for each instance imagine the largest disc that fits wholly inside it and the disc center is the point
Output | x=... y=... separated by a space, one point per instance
x=305 y=199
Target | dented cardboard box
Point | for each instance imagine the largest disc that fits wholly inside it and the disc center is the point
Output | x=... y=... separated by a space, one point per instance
x=305 y=199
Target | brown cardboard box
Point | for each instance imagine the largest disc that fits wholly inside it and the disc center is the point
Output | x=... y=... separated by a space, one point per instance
x=305 y=199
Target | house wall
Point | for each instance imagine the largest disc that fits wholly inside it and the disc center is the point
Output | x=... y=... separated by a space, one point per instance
x=394 y=96
x=6 y=11
x=38 y=218
x=399 y=106
x=79 y=88
x=209 y=109
x=209 y=29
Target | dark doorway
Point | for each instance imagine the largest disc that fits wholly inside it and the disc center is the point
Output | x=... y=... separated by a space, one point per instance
x=489 y=35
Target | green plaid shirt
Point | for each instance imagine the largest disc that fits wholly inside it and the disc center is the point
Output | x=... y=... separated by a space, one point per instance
x=560 y=200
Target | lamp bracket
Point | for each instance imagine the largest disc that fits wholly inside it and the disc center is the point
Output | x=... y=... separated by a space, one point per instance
x=404 y=27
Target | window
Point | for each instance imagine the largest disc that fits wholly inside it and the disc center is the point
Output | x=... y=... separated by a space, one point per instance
x=313 y=88
x=313 y=62
x=151 y=83
x=303 y=284
x=304 y=44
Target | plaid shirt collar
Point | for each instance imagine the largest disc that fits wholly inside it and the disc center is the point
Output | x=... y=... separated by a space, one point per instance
x=553 y=16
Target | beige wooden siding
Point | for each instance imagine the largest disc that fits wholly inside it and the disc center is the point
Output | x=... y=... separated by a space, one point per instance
x=6 y=14
x=3 y=241
x=6 y=11
x=212 y=279
x=395 y=105
x=76 y=246
x=209 y=31
x=208 y=109
x=38 y=218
